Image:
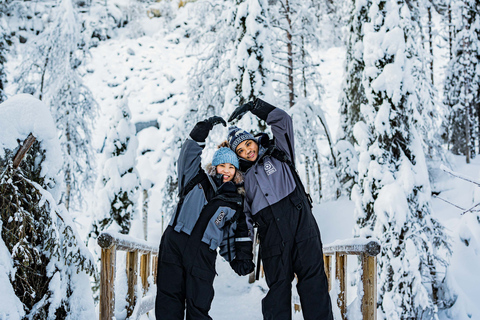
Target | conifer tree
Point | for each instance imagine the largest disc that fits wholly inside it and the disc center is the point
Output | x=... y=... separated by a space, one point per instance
x=49 y=262
x=50 y=73
x=393 y=194
x=462 y=89
x=118 y=182
x=251 y=57
x=3 y=48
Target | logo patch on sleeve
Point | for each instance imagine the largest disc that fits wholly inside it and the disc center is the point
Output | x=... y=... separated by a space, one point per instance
x=269 y=168
x=220 y=218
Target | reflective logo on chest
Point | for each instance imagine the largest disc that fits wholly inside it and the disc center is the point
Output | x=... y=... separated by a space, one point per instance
x=269 y=168
x=220 y=218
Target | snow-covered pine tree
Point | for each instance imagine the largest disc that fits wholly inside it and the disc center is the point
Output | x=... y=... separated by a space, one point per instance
x=462 y=89
x=118 y=182
x=48 y=262
x=3 y=48
x=352 y=98
x=353 y=93
x=250 y=61
x=213 y=43
x=49 y=71
x=393 y=194
x=297 y=26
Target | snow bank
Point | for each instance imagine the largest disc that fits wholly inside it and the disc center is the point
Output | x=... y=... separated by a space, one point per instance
x=10 y=306
x=23 y=114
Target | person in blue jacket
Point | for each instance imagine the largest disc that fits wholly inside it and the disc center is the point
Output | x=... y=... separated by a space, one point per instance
x=208 y=216
x=276 y=200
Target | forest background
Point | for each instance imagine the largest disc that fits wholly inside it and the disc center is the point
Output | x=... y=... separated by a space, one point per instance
x=384 y=96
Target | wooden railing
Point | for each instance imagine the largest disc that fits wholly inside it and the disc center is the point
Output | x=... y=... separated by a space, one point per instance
x=110 y=244
x=336 y=253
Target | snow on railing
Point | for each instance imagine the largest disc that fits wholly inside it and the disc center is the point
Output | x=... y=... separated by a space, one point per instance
x=110 y=243
x=367 y=249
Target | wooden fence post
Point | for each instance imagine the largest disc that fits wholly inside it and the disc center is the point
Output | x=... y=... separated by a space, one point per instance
x=107 y=283
x=369 y=279
x=155 y=268
x=327 y=261
x=132 y=272
x=341 y=276
x=145 y=270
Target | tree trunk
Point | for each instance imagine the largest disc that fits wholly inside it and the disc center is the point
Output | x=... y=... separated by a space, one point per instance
x=430 y=41
x=450 y=33
x=23 y=150
x=145 y=214
x=68 y=169
x=291 y=93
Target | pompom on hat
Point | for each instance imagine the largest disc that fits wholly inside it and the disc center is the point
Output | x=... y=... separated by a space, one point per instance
x=225 y=155
x=237 y=136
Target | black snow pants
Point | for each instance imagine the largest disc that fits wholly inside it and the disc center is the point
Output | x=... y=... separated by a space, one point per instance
x=290 y=244
x=186 y=270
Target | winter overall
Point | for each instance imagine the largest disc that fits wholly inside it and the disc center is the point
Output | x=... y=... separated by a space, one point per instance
x=211 y=216
x=290 y=240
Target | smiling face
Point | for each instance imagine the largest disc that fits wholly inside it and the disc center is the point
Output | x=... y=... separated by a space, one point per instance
x=227 y=170
x=247 y=150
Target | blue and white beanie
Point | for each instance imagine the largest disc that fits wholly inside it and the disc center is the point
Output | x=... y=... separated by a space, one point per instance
x=237 y=136
x=225 y=155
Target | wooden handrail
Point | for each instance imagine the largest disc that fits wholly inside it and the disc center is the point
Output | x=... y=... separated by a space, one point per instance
x=336 y=254
x=368 y=250
x=110 y=243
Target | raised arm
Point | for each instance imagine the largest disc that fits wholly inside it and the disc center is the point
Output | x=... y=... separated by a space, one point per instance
x=189 y=160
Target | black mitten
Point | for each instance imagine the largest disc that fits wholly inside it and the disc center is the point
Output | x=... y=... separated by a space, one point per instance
x=240 y=111
x=201 y=130
x=242 y=267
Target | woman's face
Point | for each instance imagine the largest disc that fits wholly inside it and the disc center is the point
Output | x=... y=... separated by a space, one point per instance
x=227 y=170
x=247 y=150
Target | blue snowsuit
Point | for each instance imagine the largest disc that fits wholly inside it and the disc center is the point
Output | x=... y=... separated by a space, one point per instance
x=211 y=216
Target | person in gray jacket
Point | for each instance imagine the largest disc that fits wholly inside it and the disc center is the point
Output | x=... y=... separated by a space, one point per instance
x=209 y=215
x=276 y=200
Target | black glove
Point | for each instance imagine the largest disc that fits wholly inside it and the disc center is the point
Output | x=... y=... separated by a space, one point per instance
x=201 y=130
x=240 y=111
x=242 y=267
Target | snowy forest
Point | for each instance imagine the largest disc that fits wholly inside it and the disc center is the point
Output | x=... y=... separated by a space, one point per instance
x=385 y=101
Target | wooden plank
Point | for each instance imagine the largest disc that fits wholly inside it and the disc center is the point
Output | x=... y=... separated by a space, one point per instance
x=327 y=261
x=369 y=279
x=107 y=284
x=132 y=274
x=341 y=276
x=145 y=271
x=155 y=267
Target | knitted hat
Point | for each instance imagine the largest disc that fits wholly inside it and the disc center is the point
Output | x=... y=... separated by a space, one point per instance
x=237 y=136
x=225 y=155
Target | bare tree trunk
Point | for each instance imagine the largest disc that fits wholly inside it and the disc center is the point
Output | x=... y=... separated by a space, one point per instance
x=145 y=214
x=307 y=173
x=291 y=93
x=68 y=169
x=42 y=83
x=450 y=32
x=304 y=76
x=430 y=41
